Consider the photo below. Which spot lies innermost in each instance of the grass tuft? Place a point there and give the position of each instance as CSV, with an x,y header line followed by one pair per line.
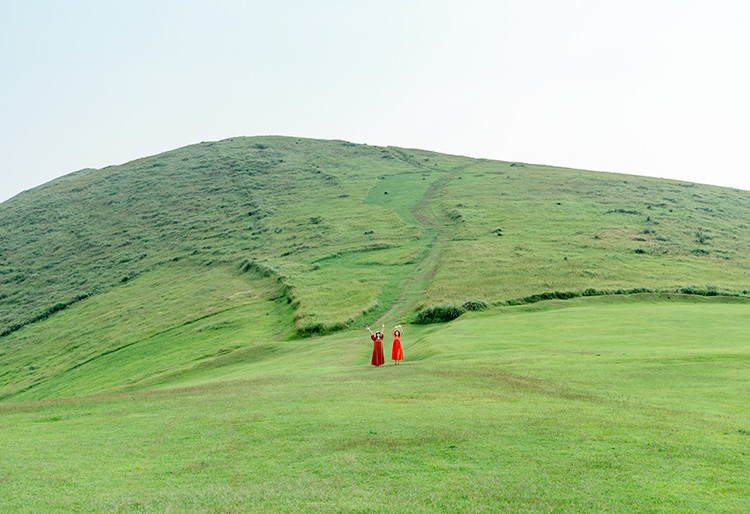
x,y
439,314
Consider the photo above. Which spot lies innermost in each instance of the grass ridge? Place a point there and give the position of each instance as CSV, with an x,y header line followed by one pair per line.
x,y
445,313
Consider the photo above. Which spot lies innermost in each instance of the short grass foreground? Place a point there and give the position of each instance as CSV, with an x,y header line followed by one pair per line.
x,y
628,404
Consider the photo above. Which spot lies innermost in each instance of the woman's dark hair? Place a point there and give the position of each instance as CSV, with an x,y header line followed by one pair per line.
x,y
398,332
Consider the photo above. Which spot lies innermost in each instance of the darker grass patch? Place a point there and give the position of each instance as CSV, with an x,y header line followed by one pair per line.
x,y
443,313
455,215
319,329
474,305
261,268
701,292
622,211
566,295
60,306
439,314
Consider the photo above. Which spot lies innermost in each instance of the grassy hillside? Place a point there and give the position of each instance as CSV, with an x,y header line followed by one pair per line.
x,y
611,404
179,319
183,333
354,231
531,229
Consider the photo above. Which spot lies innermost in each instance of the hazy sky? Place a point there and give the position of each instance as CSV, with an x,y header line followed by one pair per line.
x,y
655,87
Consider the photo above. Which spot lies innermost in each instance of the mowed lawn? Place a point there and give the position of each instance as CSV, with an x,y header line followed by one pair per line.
x,y
626,404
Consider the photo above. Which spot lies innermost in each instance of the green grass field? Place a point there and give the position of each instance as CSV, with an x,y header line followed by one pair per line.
x,y
185,333
619,404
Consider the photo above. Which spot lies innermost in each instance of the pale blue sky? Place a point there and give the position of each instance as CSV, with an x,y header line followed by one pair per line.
x,y
655,87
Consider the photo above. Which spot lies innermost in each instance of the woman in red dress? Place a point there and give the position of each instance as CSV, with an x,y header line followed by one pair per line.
x,y
377,352
397,354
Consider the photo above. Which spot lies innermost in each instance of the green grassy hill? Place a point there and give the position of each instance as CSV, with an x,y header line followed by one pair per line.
x,y
344,233
185,333
352,230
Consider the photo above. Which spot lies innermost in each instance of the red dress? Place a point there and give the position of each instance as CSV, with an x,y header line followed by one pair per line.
x,y
377,352
398,353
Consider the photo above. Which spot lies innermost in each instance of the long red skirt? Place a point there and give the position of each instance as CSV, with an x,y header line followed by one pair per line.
x,y
397,354
377,352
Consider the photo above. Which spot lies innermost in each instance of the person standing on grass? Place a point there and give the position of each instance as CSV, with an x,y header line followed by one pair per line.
x,y
377,352
397,354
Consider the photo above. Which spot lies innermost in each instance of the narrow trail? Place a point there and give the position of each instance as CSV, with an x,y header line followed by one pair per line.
x,y
416,284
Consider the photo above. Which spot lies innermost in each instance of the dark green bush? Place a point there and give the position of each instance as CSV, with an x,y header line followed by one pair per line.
x,y
439,314
702,237
260,268
566,295
454,216
474,305
698,292
622,211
